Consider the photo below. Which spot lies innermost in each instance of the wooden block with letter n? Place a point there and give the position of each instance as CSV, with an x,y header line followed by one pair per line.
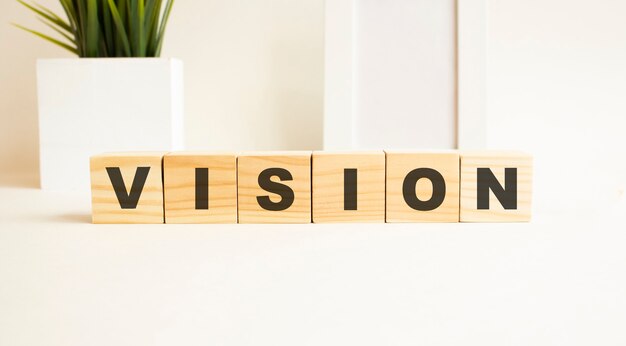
x,y
127,188
274,187
348,187
200,187
422,186
496,186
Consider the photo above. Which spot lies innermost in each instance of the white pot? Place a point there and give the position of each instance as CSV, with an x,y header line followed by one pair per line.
x,y
91,106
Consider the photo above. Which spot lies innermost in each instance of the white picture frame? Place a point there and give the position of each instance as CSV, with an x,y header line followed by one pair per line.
x,y
339,107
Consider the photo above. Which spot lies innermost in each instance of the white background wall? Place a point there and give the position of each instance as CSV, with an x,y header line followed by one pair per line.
x,y
253,75
405,75
556,87
556,82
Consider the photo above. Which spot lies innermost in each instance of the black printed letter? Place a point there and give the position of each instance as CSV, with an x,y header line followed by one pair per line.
x,y
128,200
284,191
349,189
202,188
487,181
439,189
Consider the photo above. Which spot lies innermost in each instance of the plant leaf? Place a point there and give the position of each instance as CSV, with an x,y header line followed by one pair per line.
x,y
50,39
152,13
52,14
68,37
70,12
161,33
92,29
120,27
141,39
133,24
106,28
82,19
54,19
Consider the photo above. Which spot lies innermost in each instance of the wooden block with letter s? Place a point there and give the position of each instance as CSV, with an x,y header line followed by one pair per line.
x,y
127,188
496,186
422,186
200,187
348,186
274,187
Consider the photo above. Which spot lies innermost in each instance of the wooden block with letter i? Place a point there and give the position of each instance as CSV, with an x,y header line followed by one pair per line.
x,y
348,186
496,186
422,186
200,187
274,187
127,188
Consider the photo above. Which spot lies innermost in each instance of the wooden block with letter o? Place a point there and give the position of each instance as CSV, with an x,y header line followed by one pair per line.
x,y
496,186
274,187
200,187
348,187
127,188
422,186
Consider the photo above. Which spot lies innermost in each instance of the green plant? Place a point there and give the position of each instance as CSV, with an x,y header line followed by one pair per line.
x,y
107,28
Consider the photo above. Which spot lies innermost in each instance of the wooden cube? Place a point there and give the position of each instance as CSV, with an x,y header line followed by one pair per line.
x,y
200,187
274,187
422,187
496,186
348,187
127,188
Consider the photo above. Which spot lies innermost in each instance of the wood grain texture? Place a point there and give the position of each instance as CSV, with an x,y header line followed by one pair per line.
x,y
400,164
105,204
328,186
496,162
180,187
249,166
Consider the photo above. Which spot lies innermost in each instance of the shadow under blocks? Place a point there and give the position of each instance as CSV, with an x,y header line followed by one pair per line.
x,y
305,187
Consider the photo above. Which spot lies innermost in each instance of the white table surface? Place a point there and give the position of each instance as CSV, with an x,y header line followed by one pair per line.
x,y
559,280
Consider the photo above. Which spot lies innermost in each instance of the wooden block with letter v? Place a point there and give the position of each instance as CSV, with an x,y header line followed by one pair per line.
x,y
496,186
348,186
127,188
422,186
200,187
274,187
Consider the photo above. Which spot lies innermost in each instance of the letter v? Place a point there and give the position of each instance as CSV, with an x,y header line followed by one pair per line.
x,y
128,200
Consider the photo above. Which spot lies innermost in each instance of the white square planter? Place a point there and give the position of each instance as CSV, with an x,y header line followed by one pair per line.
x,y
90,106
